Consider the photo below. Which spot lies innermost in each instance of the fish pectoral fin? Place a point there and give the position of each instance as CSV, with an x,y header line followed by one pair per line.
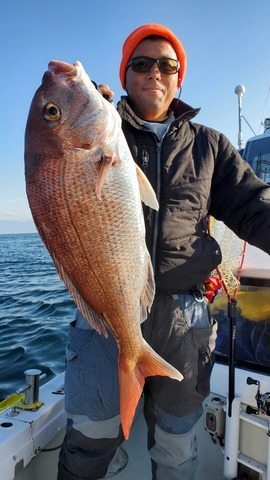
x,y
106,163
104,168
148,195
132,378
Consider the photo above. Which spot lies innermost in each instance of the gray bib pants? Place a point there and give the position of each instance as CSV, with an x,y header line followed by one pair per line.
x,y
181,330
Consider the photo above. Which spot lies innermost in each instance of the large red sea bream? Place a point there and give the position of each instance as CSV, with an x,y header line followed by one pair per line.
x,y
85,192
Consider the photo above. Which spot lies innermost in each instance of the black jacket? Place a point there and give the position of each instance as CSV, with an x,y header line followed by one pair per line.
x,y
195,172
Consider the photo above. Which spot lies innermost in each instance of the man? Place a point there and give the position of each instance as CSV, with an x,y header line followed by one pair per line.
x,y
195,172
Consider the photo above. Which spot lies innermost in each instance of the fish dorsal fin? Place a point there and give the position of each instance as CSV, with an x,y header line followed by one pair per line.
x,y
148,195
148,293
96,321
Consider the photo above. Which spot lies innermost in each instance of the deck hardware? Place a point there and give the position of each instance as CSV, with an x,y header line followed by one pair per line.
x,y
31,387
6,424
215,417
59,391
262,400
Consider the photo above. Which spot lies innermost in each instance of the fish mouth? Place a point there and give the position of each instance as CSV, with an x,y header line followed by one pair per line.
x,y
57,67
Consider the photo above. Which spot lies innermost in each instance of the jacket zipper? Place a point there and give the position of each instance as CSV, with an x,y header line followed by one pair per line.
x,y
145,162
145,159
156,213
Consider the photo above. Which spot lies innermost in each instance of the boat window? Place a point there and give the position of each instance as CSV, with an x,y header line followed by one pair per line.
x,y
257,154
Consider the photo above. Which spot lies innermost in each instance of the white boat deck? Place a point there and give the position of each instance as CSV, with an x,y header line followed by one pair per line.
x,y
25,437
44,465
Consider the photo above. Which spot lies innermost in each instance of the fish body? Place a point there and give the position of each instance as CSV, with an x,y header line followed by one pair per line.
x,y
84,192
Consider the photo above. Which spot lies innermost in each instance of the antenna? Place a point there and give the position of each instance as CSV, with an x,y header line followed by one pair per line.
x,y
239,91
262,120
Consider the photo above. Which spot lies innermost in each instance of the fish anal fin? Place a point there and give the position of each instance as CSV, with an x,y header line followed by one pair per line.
x,y
132,378
96,321
147,193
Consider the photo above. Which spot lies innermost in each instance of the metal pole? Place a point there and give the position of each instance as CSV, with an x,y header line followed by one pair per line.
x,y
240,90
231,387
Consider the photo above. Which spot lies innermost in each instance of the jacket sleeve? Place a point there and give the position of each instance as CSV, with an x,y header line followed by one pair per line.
x,y
239,198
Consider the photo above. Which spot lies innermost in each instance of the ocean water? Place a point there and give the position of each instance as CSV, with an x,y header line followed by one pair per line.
x,y
35,311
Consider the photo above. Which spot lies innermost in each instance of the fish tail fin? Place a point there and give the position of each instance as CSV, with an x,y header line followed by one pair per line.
x,y
132,379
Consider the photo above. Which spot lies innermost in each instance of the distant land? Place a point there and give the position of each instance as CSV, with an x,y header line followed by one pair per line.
x,y
8,226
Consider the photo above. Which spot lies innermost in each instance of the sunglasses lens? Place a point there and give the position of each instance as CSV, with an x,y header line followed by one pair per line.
x,y
142,64
169,66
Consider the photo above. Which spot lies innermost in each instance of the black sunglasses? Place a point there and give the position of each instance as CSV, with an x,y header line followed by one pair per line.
x,y
169,66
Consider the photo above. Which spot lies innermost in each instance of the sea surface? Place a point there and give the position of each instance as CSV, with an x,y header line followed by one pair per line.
x,y
35,311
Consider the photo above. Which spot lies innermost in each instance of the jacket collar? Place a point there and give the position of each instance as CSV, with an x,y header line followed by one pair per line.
x,y
181,111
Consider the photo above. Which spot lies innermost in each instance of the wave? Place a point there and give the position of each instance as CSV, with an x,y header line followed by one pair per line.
x,y
35,311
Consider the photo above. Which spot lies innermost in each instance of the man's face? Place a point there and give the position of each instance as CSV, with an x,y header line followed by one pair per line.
x,y
151,93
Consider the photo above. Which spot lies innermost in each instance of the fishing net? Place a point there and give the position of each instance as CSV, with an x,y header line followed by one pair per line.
x,y
233,249
244,331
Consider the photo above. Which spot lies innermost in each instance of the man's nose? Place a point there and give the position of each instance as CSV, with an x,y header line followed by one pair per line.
x,y
154,71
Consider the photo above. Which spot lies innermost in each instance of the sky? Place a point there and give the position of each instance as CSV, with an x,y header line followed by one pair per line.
x,y
226,42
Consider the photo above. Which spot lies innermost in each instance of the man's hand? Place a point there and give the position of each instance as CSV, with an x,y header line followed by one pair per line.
x,y
107,93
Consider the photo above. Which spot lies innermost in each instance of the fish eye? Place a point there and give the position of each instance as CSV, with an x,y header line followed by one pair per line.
x,y
52,111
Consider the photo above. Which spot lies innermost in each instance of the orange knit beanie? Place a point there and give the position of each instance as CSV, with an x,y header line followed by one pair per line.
x,y
144,31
